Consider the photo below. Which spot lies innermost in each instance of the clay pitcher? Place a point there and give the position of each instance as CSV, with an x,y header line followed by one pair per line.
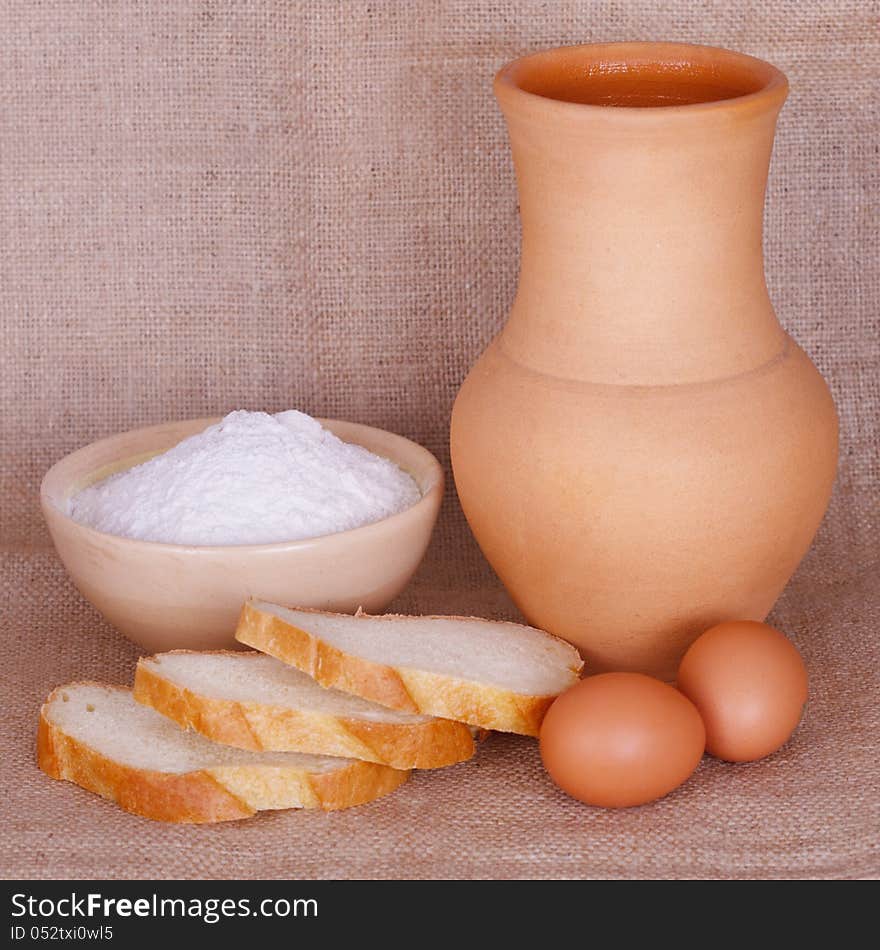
x,y
642,451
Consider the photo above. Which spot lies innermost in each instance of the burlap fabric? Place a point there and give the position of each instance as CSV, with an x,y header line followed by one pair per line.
x,y
272,204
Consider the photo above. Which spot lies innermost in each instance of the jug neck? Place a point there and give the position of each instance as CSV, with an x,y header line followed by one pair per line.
x,y
641,171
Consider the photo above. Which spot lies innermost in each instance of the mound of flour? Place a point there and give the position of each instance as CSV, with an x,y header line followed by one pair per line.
x,y
252,478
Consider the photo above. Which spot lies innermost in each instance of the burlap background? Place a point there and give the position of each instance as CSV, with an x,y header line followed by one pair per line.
x,y
272,204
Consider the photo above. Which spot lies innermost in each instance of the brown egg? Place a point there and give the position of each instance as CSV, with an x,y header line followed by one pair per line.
x,y
621,739
750,685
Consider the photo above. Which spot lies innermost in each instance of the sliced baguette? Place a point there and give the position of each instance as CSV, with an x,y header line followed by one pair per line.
x,y
489,674
98,737
253,701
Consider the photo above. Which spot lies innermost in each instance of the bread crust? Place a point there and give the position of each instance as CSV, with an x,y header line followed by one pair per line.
x,y
208,795
435,694
261,726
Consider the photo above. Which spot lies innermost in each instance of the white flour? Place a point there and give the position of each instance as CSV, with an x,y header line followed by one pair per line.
x,y
250,479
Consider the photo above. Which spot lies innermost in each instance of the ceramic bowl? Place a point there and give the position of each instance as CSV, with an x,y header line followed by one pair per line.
x,y
168,596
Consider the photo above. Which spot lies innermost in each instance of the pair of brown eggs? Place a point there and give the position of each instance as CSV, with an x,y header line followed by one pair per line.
x,y
622,739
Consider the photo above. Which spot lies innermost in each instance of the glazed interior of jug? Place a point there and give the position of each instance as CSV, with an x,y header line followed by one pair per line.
x,y
641,75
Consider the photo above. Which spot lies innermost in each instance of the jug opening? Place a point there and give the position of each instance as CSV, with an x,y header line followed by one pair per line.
x,y
640,75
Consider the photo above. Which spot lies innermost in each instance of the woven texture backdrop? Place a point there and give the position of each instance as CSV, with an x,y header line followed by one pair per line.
x,y
209,205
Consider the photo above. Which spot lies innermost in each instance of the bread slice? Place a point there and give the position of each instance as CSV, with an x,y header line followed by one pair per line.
x,y
253,701
98,737
489,674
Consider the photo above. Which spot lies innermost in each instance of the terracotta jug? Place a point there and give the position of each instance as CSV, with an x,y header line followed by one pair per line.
x,y
642,451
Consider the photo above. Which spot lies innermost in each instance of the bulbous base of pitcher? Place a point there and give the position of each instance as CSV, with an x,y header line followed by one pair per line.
x,y
629,519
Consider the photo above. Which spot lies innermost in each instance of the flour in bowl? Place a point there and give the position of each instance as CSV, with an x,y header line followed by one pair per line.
x,y
252,478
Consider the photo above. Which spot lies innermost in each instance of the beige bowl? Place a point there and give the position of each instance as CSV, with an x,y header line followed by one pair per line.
x,y
165,596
